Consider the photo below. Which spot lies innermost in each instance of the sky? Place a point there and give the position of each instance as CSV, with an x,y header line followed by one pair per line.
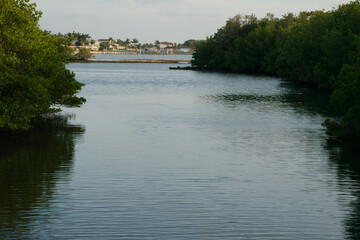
x,y
164,20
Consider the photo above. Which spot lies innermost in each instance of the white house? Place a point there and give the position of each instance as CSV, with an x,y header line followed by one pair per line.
x,y
163,45
106,41
118,46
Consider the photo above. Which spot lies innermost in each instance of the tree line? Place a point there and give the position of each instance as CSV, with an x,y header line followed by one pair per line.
x,y
84,39
33,76
318,47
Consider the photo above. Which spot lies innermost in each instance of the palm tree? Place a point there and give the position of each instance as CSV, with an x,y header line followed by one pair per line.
x,y
127,41
135,41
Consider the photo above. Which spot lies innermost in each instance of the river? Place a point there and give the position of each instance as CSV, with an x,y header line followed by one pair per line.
x,y
160,154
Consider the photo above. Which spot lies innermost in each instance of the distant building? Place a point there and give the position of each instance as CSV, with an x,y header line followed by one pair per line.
x,y
118,46
152,50
92,47
186,49
163,45
106,41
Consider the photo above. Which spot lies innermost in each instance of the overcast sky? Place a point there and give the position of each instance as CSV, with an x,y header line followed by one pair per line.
x,y
164,20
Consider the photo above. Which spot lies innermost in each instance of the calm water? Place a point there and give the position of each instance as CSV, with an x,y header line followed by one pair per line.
x,y
159,154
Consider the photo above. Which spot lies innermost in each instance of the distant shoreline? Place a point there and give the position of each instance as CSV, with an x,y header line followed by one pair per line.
x,y
177,61
121,53
134,53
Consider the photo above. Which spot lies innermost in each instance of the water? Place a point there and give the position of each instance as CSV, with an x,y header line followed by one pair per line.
x,y
160,154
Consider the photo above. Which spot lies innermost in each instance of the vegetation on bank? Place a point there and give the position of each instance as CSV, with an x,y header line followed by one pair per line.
x,y
33,76
321,48
83,54
83,40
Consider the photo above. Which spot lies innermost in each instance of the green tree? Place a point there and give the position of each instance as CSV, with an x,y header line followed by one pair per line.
x,y
103,46
81,39
190,43
204,52
127,42
345,101
84,54
33,76
251,53
135,40
321,48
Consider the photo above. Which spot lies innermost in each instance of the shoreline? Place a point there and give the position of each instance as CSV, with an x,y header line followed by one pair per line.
x,y
175,61
132,53
120,53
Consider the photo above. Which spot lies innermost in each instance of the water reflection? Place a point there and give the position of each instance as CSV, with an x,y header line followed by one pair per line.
x,y
305,99
30,166
301,98
345,155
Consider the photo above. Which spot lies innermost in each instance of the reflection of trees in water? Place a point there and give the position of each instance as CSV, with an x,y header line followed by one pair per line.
x,y
30,165
306,99
302,99
346,156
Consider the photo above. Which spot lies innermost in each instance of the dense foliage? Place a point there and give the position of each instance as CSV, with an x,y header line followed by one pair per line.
x,y
321,48
190,43
33,77
84,54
